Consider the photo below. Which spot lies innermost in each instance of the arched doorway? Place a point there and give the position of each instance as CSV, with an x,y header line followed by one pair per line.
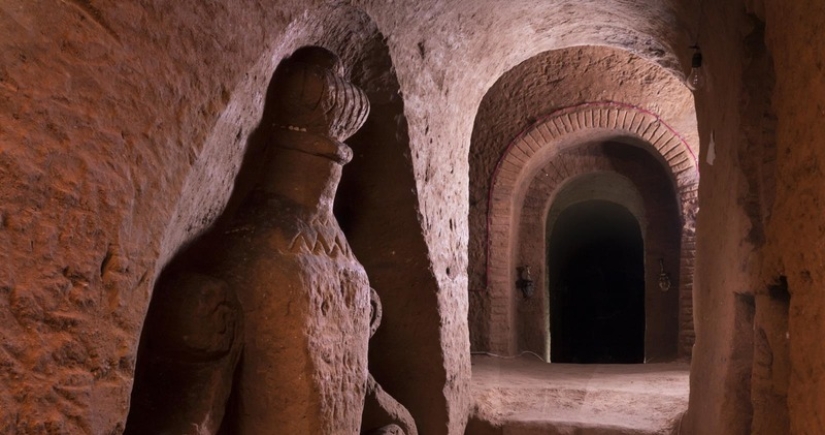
x,y
597,292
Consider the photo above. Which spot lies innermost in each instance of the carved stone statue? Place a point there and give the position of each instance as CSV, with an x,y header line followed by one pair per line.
x,y
283,259
305,297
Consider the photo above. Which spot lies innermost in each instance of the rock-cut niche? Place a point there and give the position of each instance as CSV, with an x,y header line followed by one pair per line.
x,y
264,321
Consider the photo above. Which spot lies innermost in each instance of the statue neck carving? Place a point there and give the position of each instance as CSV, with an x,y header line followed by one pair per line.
x,y
300,176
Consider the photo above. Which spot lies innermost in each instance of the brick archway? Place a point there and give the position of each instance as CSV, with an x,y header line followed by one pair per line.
x,y
538,145
623,174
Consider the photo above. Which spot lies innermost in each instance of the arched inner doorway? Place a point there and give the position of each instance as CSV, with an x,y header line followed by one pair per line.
x,y
597,291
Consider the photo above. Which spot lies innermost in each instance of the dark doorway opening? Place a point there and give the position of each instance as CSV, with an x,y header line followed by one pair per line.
x,y
596,276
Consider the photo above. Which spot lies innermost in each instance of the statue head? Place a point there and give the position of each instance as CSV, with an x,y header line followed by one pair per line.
x,y
309,94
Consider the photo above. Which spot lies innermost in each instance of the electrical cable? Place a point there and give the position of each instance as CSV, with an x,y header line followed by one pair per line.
x,y
495,355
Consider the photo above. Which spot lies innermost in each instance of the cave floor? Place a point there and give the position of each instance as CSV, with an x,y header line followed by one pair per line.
x,y
526,396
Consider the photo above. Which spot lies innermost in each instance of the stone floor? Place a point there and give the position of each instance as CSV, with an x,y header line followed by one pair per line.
x,y
526,396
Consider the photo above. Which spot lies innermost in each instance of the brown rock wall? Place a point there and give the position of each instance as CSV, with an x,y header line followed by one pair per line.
x,y
755,316
794,232
105,110
722,361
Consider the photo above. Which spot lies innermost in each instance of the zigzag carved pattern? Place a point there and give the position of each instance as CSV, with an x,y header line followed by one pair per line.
x,y
306,242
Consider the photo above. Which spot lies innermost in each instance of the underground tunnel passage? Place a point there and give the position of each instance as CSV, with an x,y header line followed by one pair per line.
x,y
125,123
597,293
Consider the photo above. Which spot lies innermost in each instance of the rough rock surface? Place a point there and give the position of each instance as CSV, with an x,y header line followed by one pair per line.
x,y
795,229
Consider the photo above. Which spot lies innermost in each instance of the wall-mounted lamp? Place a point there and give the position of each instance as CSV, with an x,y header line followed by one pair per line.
x,y
525,283
664,277
696,79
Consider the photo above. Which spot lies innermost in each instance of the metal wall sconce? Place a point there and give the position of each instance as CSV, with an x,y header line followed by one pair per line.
x,y
525,283
664,277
